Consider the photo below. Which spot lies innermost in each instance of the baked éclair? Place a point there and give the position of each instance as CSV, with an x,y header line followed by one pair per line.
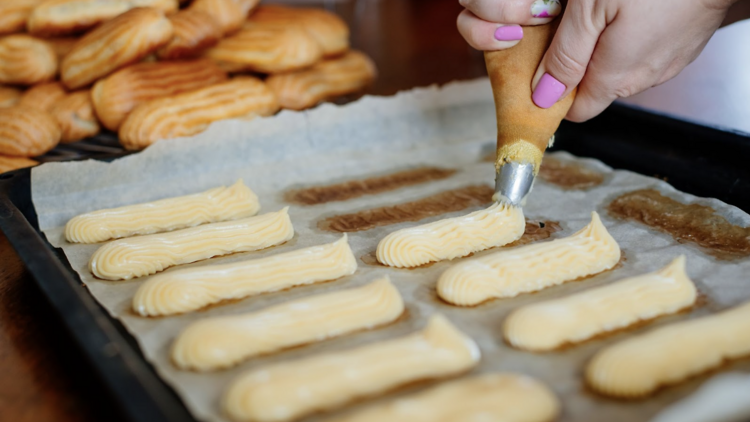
x,y
194,31
9,96
117,95
8,163
14,13
75,115
25,60
43,96
63,17
266,48
228,14
347,74
119,42
191,112
27,132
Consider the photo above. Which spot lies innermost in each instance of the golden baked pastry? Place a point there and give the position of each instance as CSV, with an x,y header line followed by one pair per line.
x,y
228,14
194,31
530,268
14,13
8,163
43,96
9,96
547,325
637,366
117,95
327,29
191,112
193,288
63,17
25,60
138,256
214,205
62,45
266,48
27,132
330,78
491,397
119,42
75,115
216,343
292,389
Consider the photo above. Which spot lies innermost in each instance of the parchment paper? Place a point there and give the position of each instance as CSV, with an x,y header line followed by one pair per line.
x,y
451,127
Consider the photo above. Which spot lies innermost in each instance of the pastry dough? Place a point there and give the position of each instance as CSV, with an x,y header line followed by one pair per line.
x,y
453,237
27,132
191,112
228,14
14,13
117,95
26,60
75,115
125,39
9,96
548,325
347,74
290,390
637,366
221,342
193,288
211,206
194,31
61,17
13,163
490,397
266,48
143,255
43,96
530,268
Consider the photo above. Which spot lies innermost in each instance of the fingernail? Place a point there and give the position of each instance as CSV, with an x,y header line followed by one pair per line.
x,y
547,91
545,8
509,33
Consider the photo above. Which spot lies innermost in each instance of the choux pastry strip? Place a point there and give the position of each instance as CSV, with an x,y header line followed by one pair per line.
x,y
43,96
194,31
75,115
9,96
27,132
25,60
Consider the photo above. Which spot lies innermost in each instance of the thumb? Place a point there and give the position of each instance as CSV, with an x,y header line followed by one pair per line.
x,y
565,62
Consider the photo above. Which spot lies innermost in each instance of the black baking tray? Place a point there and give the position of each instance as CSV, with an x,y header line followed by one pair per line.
x,y
705,161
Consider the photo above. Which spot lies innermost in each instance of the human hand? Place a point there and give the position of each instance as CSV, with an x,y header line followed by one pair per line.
x,y
608,48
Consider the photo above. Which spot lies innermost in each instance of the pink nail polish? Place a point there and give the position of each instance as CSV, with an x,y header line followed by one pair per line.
x,y
547,91
509,33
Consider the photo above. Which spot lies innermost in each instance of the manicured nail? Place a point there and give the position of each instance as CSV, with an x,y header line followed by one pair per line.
x,y
545,8
547,91
509,33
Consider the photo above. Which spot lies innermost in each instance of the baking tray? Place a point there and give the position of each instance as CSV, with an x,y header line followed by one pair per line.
x,y
697,159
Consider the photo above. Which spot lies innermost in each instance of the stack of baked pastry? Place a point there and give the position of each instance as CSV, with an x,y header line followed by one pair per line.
x,y
160,69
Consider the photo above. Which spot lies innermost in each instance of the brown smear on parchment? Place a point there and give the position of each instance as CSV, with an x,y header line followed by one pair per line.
x,y
569,175
370,186
685,222
441,203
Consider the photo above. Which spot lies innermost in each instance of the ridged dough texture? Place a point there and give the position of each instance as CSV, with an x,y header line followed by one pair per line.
x,y
193,288
302,89
75,115
194,31
639,365
143,255
117,95
27,132
289,390
191,112
228,14
548,325
266,48
64,17
119,42
9,96
502,397
214,205
14,163
43,96
26,60
452,237
530,268
327,29
14,13
222,342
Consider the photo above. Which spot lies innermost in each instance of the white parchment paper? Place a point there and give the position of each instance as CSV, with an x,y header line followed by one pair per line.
x,y
450,127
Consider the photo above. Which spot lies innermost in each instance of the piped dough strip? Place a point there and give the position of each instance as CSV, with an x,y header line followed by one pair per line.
x,y
530,268
221,342
639,365
143,255
214,205
548,325
289,390
193,288
451,238
490,397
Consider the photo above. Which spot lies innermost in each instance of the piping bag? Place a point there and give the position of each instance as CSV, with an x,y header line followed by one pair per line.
x,y
524,130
